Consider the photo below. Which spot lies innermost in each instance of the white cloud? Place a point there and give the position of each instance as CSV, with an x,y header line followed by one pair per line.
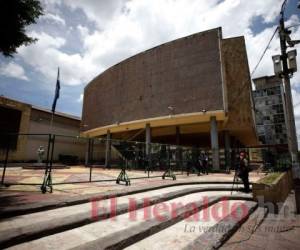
x,y
53,18
83,31
46,55
99,11
13,70
80,99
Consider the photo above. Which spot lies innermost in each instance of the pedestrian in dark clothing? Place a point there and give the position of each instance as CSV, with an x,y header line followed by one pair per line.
x,y
244,171
195,161
204,162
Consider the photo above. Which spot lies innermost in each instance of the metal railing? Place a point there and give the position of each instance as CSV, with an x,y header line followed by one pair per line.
x,y
151,160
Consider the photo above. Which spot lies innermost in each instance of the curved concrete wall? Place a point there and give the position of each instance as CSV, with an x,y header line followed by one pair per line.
x,y
184,74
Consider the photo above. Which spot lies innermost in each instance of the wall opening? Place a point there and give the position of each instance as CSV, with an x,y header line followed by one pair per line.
x,y
9,123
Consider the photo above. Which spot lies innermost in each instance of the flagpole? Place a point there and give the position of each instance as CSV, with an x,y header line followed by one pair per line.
x,y
51,141
54,102
51,122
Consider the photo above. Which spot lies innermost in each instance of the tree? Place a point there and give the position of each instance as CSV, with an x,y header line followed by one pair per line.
x,y
15,15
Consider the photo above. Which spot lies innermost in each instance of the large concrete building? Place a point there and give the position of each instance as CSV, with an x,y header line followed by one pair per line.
x,y
269,110
194,90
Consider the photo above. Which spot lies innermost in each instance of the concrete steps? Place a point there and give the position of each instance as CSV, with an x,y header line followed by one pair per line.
x,y
75,227
203,234
15,210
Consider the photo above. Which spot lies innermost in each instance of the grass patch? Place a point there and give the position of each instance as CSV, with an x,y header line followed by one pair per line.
x,y
270,178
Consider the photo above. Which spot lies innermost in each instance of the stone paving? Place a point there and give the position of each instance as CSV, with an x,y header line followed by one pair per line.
x,y
25,194
280,231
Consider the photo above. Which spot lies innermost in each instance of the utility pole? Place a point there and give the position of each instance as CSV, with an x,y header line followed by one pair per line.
x,y
290,119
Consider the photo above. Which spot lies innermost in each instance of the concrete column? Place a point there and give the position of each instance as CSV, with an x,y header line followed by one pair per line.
x,y
214,143
108,149
148,138
227,149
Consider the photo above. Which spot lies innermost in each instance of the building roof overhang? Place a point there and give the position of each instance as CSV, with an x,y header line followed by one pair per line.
x,y
163,121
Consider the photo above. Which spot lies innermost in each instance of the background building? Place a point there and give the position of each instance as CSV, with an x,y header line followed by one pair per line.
x,y
269,110
194,91
28,121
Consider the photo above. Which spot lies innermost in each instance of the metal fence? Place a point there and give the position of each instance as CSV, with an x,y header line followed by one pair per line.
x,y
47,152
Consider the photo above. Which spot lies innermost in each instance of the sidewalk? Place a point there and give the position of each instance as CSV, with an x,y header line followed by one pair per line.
x,y
280,231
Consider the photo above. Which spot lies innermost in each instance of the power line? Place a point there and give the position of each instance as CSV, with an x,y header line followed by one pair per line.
x,y
294,25
283,6
263,54
244,85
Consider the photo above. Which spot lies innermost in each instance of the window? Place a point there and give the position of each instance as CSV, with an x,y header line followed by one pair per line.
x,y
278,108
278,128
262,139
278,118
259,121
273,91
270,92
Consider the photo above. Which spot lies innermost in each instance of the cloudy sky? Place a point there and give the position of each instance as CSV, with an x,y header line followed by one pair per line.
x,y
85,37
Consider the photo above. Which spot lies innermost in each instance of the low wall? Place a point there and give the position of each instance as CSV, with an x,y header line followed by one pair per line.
x,y
275,192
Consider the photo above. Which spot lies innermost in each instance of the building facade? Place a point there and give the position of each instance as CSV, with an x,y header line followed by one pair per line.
x,y
31,125
194,91
269,110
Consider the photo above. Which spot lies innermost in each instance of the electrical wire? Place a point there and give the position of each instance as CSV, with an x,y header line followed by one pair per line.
x,y
264,52
294,25
282,9
244,84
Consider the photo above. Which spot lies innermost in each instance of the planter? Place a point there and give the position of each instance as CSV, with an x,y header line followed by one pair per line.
x,y
273,193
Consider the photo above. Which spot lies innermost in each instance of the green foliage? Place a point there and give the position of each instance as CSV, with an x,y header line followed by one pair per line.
x,y
282,164
15,16
277,163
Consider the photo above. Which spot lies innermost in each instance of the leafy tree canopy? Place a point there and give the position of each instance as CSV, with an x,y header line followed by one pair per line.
x,y
15,15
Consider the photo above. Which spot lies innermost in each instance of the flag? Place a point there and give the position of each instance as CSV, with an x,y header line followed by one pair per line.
x,y
57,89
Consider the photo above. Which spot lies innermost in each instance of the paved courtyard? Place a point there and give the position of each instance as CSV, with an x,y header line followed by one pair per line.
x,y
25,194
